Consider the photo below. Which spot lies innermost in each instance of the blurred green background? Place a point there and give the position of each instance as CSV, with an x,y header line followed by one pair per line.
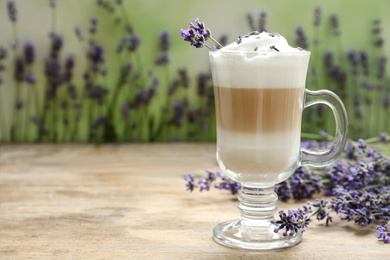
x,y
150,17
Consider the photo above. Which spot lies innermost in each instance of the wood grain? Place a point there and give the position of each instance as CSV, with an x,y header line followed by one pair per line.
x,y
129,202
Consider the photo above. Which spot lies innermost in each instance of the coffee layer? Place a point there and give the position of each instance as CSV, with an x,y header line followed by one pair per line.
x,y
259,110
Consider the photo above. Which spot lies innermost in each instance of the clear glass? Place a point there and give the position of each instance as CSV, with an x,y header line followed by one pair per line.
x,y
259,99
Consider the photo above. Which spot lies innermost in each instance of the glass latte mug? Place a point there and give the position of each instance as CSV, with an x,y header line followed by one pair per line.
x,y
259,99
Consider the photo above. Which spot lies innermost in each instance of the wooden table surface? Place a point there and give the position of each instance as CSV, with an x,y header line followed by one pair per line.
x,y
130,202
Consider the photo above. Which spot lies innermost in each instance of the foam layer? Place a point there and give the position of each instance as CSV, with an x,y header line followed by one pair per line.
x,y
252,63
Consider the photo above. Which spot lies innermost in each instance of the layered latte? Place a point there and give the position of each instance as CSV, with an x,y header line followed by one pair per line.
x,y
259,86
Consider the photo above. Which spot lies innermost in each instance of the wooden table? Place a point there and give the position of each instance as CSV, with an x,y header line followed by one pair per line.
x,y
130,202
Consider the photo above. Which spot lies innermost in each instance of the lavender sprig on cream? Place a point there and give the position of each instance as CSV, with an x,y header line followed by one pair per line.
x,y
198,34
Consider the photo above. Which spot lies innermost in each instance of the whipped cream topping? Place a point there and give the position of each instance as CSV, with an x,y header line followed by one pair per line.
x,y
261,60
265,41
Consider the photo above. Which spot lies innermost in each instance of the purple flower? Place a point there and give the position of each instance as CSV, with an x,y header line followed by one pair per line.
x,y
251,21
383,232
162,59
301,38
19,70
12,10
334,21
317,15
3,53
164,40
134,43
263,21
189,178
29,53
30,78
291,223
197,34
93,27
56,45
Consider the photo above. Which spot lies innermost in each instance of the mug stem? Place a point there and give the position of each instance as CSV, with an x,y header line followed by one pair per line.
x,y
254,230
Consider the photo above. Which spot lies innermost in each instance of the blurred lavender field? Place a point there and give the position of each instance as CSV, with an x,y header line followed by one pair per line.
x,y
117,71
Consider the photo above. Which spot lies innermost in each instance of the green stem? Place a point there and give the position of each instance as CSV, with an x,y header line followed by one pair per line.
x,y
216,42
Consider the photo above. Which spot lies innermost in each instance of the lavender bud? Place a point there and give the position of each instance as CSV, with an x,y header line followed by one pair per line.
x,y
365,62
56,46
93,27
3,53
202,81
165,40
12,10
162,59
379,42
382,67
251,22
184,79
134,43
317,15
52,3
300,37
29,53
263,22
30,78
19,70
334,21
69,63
178,113
19,104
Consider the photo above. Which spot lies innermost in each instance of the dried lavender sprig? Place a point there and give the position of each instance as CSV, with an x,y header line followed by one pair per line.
x,y
197,34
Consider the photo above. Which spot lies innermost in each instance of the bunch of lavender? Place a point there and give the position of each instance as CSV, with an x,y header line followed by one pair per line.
x,y
359,184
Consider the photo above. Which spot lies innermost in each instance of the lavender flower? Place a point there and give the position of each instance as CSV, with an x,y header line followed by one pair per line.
x,y
177,113
3,53
381,67
300,38
165,42
56,45
383,232
251,22
334,21
263,22
134,43
29,53
162,59
317,15
93,27
291,223
12,10
30,78
19,70
197,34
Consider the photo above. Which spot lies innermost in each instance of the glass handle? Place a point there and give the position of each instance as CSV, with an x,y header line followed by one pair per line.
x,y
326,157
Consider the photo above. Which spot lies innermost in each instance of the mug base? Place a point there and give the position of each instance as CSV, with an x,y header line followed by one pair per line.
x,y
235,234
